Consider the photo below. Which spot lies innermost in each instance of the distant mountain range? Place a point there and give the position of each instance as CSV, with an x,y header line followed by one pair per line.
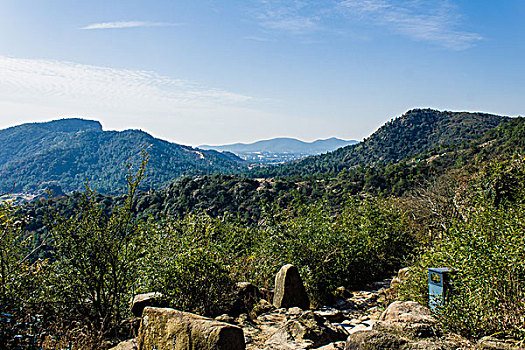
x,y
70,152
280,150
66,154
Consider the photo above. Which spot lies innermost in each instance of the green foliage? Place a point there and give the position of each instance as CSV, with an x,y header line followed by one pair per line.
x,y
20,282
486,248
189,261
416,131
364,242
95,261
67,152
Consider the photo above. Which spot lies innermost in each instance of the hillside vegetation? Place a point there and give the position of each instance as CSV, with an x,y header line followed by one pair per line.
x,y
414,132
70,152
82,256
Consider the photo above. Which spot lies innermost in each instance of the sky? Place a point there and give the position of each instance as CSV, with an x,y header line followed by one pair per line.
x,y
216,72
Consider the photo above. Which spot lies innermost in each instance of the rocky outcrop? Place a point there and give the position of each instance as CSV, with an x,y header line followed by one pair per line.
x,y
308,329
289,289
371,339
164,328
130,344
245,298
406,311
140,301
493,343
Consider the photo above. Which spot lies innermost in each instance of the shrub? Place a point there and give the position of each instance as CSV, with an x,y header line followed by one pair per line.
x,y
486,248
366,241
95,264
188,261
20,282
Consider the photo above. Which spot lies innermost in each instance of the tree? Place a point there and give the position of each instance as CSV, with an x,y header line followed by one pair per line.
x,y
96,258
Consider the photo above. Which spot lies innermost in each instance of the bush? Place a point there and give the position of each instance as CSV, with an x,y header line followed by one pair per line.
x,y
94,266
188,261
486,248
20,282
366,241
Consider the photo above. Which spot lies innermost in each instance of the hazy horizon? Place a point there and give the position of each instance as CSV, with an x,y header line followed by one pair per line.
x,y
218,73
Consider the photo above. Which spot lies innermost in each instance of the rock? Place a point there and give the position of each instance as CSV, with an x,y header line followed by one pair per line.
x,y
261,308
395,282
430,345
332,315
371,340
225,318
310,329
294,311
374,312
245,298
164,329
393,291
342,293
243,320
289,289
498,344
130,344
408,318
339,345
360,327
403,273
408,312
344,304
140,301
413,330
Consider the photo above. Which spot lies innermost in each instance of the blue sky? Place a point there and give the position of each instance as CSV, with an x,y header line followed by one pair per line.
x,y
214,72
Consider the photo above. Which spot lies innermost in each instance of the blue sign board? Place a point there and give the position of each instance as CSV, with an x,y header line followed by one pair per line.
x,y
438,283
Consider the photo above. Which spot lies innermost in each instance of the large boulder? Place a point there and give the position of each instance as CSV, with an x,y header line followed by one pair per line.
x,y
140,301
245,298
372,340
309,329
130,344
164,329
289,289
408,312
408,318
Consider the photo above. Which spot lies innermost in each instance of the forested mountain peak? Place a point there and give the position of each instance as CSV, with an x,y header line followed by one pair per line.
x,y
68,152
412,133
61,125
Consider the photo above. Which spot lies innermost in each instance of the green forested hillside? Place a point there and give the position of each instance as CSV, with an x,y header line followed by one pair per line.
x,y
416,131
246,198
70,152
458,205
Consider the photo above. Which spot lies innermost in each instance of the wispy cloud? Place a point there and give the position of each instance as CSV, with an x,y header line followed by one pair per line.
x,y
257,38
175,109
295,17
127,24
436,21
78,81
